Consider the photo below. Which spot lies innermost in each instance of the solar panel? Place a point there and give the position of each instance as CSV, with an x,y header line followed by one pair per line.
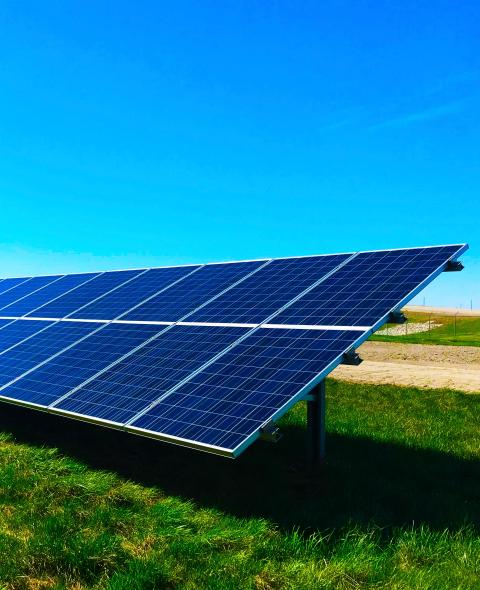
x,y
228,401
40,346
204,355
13,332
71,368
193,291
366,288
25,288
134,292
85,294
128,387
269,289
8,284
29,303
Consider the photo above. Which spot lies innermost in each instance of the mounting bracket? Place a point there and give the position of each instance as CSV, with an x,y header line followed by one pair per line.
x,y
351,357
396,317
270,432
453,266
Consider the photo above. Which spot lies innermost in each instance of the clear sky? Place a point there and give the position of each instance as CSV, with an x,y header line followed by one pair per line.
x,y
149,133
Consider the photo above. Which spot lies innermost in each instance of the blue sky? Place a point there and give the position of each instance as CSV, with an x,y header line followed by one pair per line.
x,y
156,133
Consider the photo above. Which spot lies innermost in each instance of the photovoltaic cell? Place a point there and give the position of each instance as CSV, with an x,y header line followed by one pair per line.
x,y
69,369
70,302
4,323
53,290
11,333
366,288
7,284
119,393
193,291
230,400
267,290
28,354
24,288
145,285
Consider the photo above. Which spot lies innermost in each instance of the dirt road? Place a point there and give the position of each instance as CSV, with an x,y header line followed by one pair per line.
x,y
417,365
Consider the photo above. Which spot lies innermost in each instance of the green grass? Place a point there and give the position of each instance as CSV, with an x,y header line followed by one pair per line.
x,y
397,504
464,331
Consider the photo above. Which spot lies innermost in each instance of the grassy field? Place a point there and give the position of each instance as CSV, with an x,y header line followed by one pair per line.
x,y
396,506
462,331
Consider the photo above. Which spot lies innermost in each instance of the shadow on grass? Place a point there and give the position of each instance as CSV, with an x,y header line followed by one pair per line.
x,y
363,481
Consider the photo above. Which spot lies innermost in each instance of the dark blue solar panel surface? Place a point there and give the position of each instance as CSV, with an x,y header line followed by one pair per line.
x,y
366,288
7,284
69,369
266,291
231,399
121,392
128,296
12,332
53,290
25,289
85,294
4,323
27,354
174,303
227,401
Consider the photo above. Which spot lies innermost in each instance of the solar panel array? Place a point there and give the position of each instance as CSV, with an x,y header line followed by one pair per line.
x,y
201,355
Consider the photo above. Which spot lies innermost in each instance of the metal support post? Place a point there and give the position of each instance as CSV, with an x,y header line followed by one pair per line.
x,y
316,425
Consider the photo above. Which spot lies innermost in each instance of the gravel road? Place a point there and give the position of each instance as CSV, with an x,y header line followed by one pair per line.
x,y
418,365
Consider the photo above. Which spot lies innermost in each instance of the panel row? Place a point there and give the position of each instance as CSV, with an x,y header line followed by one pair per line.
x,y
335,290
368,287
164,380
251,289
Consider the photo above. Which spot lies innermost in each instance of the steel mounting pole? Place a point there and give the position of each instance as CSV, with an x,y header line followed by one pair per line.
x,y
316,426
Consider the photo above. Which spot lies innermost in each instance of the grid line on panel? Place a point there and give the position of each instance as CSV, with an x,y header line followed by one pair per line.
x,y
129,386
30,293
420,286
140,273
7,322
47,290
195,292
246,386
43,362
108,367
269,290
68,304
30,370
97,375
35,352
369,289
60,374
137,279
48,326
29,287
270,317
16,283
77,342
48,323
232,286
13,332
